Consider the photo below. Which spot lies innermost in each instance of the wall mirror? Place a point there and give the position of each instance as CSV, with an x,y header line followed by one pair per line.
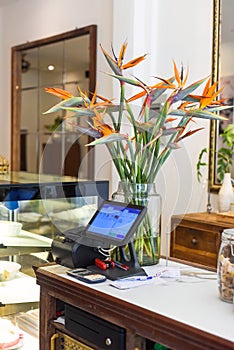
x,y
46,144
222,70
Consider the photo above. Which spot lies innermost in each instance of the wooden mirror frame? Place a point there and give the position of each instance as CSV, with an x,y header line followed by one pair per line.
x,y
16,71
213,185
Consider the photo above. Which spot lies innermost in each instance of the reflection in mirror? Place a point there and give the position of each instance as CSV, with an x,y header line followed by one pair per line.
x,y
222,70
48,144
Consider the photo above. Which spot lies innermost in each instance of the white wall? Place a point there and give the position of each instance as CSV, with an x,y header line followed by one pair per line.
x,y
166,29
29,20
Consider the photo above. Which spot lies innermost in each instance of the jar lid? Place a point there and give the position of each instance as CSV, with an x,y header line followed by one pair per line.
x,y
228,234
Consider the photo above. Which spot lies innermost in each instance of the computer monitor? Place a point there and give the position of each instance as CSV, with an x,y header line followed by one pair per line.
x,y
114,223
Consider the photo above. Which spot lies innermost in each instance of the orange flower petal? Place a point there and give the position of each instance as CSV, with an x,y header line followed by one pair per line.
x,y
206,89
59,93
122,53
176,72
133,62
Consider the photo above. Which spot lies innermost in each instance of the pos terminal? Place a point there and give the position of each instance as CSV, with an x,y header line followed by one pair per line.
x,y
111,227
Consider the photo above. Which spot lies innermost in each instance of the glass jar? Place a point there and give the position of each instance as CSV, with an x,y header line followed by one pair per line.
x,y
147,238
225,266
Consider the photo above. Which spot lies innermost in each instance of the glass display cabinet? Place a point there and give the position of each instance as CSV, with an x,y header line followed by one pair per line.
x,y
46,206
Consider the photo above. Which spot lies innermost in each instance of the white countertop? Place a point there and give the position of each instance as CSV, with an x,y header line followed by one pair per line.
x,y
190,300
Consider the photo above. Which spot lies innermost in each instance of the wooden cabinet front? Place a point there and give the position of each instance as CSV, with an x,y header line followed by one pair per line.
x,y
196,237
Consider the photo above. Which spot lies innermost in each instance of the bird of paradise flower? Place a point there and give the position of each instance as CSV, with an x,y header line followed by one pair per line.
x,y
155,134
139,157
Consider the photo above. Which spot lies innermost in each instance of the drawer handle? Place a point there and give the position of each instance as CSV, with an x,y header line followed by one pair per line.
x,y
108,342
194,241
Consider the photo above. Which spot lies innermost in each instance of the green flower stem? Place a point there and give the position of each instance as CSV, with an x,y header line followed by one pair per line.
x,y
124,156
120,115
132,118
166,152
132,160
147,109
121,105
153,152
127,165
160,119
144,240
161,160
151,247
116,161
113,120
152,163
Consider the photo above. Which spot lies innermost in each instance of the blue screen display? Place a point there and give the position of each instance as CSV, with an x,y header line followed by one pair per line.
x,y
114,221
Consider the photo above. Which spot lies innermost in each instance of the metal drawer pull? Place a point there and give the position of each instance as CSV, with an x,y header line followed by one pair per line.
x,y
194,241
108,342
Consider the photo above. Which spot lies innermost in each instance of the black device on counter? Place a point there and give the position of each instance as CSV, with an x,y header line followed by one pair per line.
x,y
65,251
86,276
113,224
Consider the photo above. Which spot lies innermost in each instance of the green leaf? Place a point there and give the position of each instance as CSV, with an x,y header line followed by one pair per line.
x,y
201,163
108,139
198,113
180,96
73,101
113,65
110,109
90,131
171,131
79,112
217,108
157,92
126,80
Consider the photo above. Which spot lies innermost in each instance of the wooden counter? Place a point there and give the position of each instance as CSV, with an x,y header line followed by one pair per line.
x,y
181,315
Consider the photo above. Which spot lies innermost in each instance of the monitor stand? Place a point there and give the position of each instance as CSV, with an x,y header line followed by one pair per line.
x,y
115,273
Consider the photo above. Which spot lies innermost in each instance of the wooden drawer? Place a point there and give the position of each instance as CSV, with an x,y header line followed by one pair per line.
x,y
196,237
194,245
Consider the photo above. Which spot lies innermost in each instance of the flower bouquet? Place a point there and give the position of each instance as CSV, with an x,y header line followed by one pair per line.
x,y
156,129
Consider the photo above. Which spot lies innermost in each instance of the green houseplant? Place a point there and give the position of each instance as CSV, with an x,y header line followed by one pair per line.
x,y
139,155
224,154
52,127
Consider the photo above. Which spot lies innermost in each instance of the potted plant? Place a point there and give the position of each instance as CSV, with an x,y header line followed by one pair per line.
x,y
224,166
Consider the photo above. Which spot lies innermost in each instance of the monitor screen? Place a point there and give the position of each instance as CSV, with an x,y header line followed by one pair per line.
x,y
115,222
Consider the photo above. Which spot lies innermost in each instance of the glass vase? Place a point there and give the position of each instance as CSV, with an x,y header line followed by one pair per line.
x,y
147,238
